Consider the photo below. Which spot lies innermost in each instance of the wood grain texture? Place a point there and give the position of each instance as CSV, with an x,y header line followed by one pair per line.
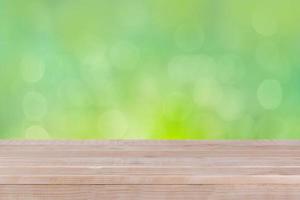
x,y
149,169
149,192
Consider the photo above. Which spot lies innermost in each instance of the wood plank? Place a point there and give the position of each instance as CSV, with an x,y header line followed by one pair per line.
x,y
150,180
149,169
149,192
153,175
171,153
147,153
151,145
149,162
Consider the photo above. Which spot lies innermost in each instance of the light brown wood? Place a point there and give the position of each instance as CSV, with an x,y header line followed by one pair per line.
x,y
149,192
149,169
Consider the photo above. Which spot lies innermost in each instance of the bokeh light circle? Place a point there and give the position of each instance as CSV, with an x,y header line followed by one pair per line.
x,y
269,94
34,106
36,132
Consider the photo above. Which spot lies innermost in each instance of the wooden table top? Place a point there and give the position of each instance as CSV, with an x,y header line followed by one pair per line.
x,y
149,162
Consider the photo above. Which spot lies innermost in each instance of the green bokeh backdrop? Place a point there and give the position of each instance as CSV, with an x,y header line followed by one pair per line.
x,y
149,69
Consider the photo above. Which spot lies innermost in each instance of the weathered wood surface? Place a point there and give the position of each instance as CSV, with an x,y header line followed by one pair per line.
x,y
149,170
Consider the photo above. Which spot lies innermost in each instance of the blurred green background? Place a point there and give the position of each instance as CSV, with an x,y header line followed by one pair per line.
x,y
149,69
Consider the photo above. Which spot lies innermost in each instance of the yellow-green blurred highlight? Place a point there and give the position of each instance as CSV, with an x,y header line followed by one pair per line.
x,y
149,69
